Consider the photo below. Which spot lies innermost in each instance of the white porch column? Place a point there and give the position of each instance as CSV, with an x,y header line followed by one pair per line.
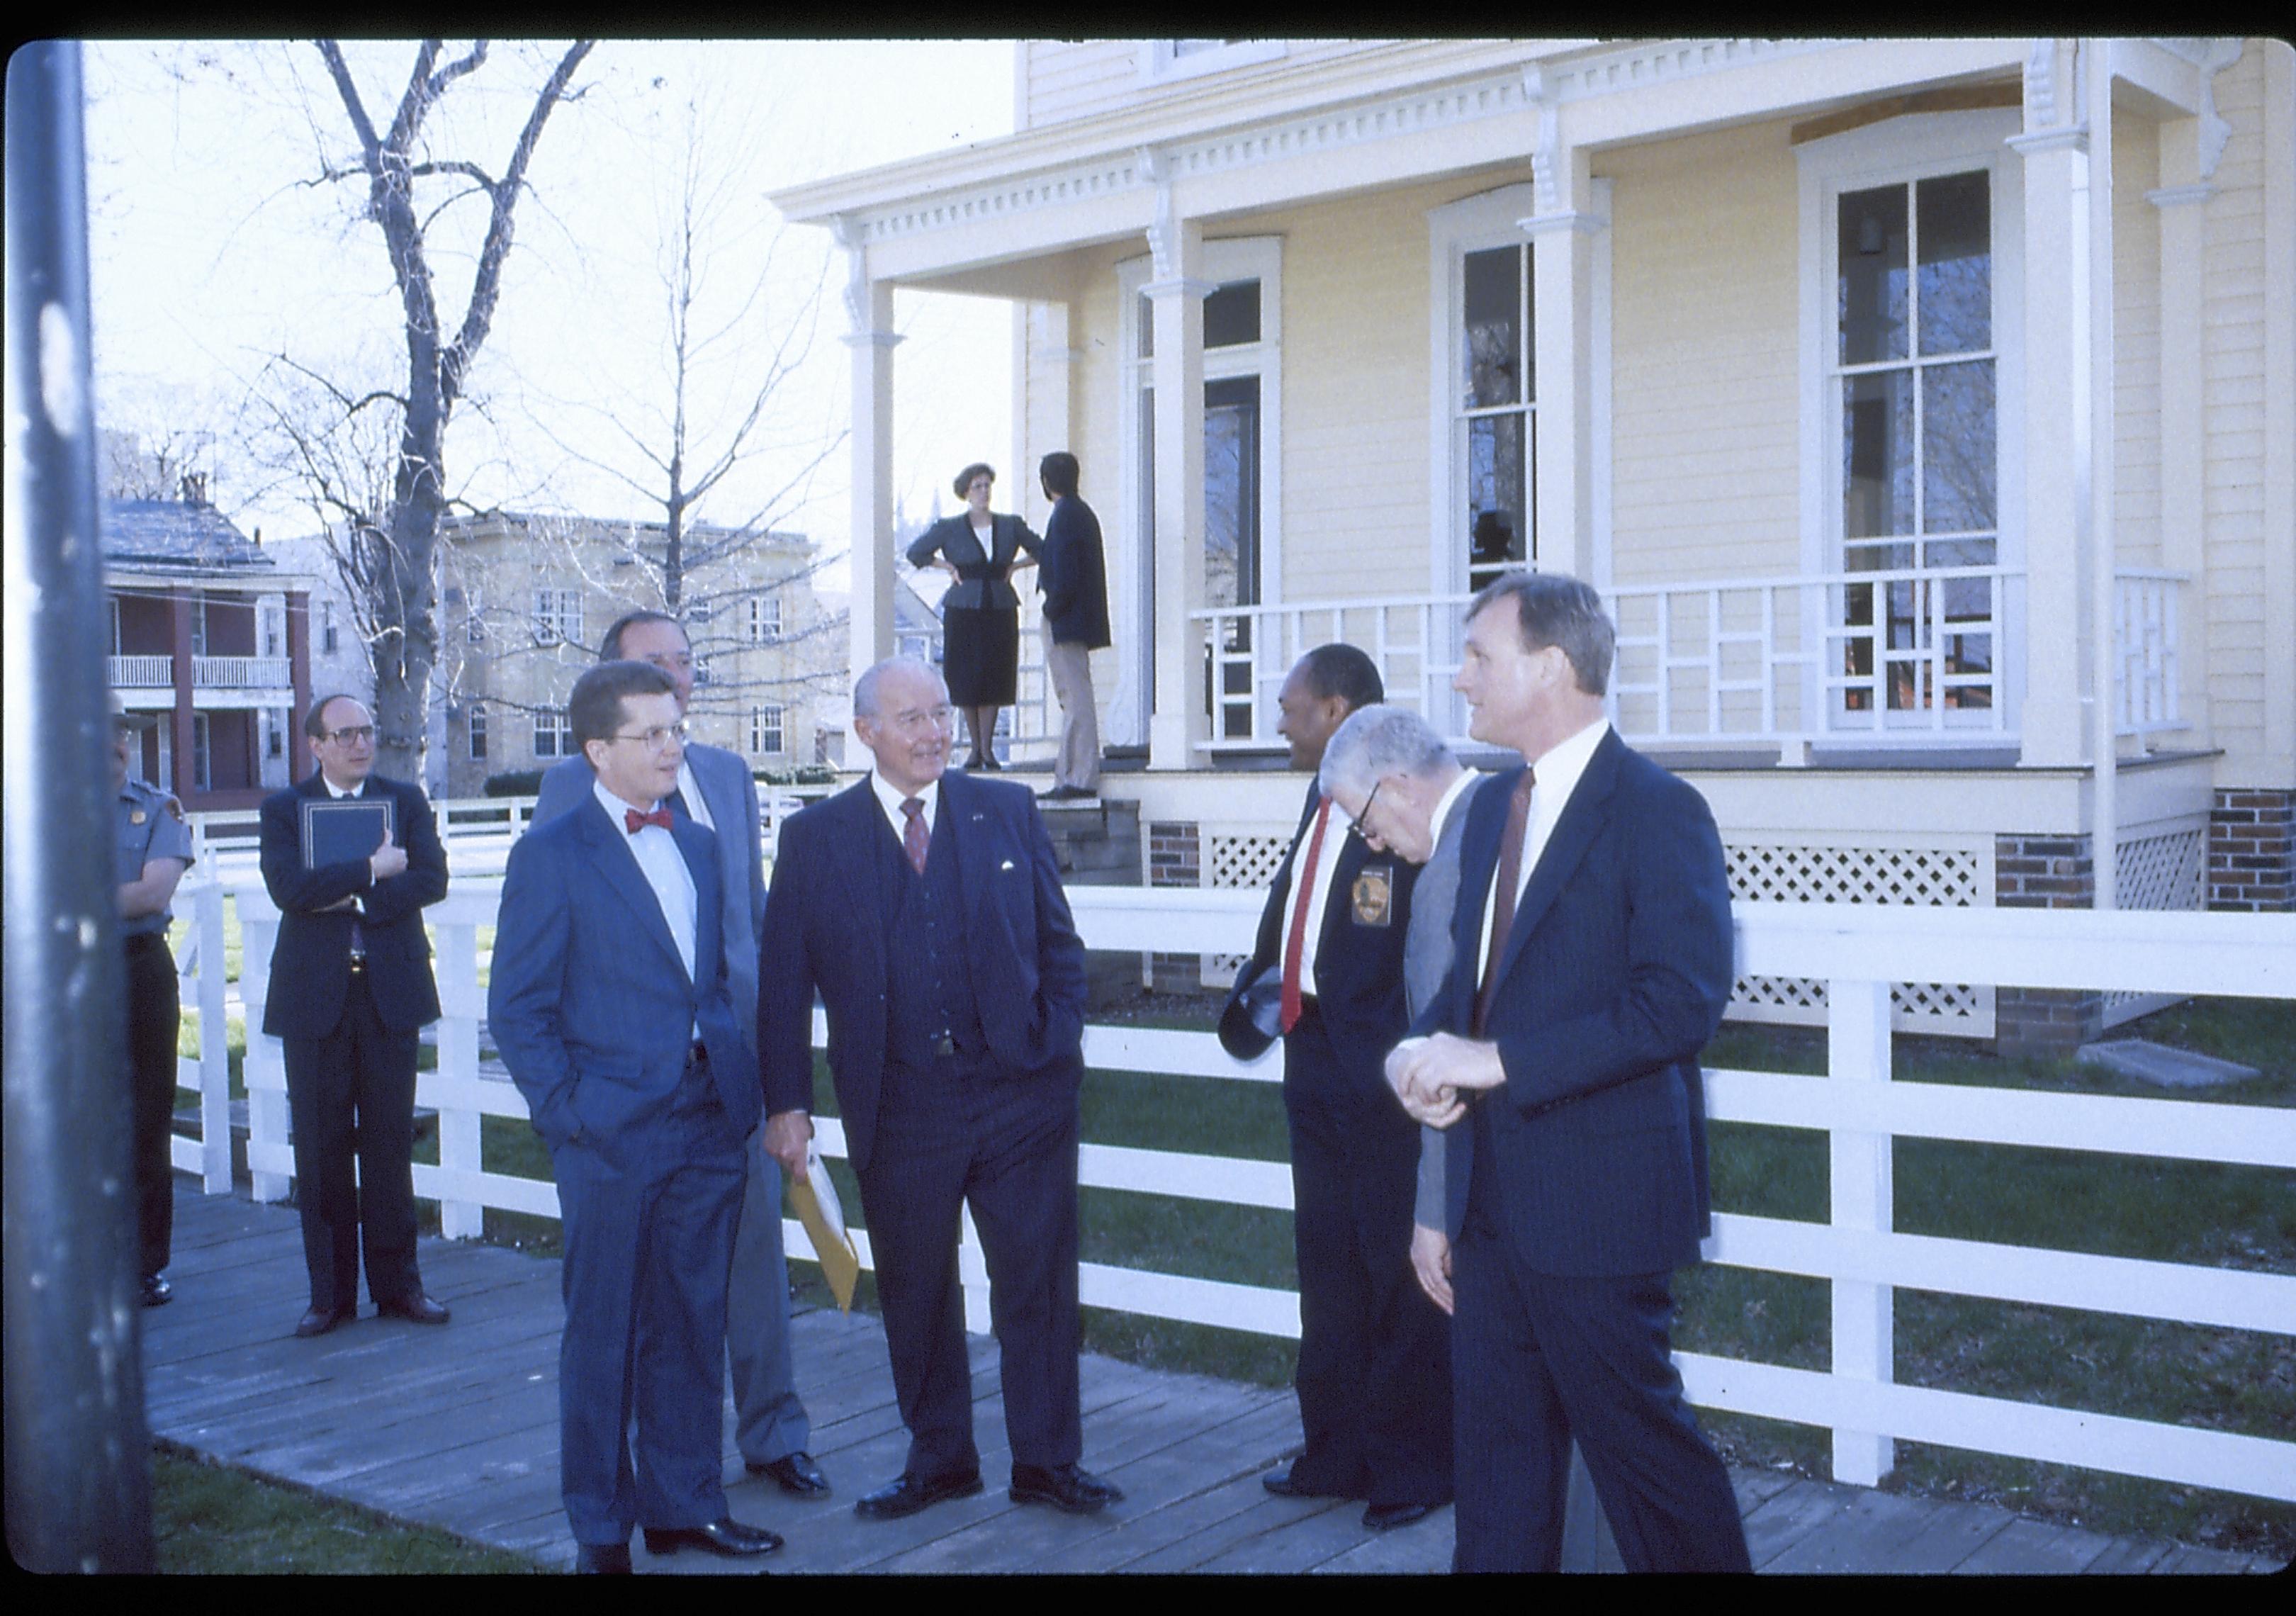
x,y
1176,719
2181,200
869,306
2055,148
1562,276
2104,709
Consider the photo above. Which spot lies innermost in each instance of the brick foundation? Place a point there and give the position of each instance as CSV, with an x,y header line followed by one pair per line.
x,y
2034,872
2252,850
1175,859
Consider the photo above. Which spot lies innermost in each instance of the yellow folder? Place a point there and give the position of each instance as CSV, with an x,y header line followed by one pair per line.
x,y
818,1208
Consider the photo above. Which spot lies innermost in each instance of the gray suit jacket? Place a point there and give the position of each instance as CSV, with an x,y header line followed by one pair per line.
x,y
1426,958
731,797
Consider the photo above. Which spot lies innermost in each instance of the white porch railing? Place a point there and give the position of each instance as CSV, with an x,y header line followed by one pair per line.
x,y
243,673
1887,659
140,672
2145,666
1857,949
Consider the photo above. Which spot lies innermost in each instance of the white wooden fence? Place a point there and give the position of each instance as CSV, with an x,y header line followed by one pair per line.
x,y
1858,950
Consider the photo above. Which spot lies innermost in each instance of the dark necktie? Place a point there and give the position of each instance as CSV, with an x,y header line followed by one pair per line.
x,y
914,842
1510,877
634,822
1295,943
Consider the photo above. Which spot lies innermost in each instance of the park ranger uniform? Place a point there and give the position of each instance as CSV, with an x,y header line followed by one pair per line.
x,y
148,824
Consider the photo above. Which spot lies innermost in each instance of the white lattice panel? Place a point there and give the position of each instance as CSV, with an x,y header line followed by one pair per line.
x,y
1955,872
1238,858
2164,872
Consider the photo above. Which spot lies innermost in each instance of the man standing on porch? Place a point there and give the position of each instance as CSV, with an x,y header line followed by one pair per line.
x,y
1591,962
1374,1377
1074,578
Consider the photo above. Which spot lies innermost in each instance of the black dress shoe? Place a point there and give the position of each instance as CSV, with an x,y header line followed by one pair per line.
x,y
911,1494
1285,1484
728,1536
795,1474
157,1291
416,1309
1070,1490
601,1559
318,1321
1387,1517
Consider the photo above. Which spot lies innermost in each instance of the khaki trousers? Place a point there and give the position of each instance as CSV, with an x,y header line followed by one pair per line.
x,y
1069,664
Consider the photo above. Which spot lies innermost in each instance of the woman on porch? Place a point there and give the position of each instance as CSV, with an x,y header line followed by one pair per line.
x,y
981,614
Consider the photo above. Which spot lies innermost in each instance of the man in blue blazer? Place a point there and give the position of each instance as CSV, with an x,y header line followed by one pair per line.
x,y
714,790
609,1003
1373,1374
350,991
1591,962
927,908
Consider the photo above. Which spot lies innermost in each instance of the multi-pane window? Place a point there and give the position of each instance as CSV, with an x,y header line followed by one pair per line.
x,y
202,753
765,731
1494,396
554,733
478,731
1915,377
765,619
557,615
329,635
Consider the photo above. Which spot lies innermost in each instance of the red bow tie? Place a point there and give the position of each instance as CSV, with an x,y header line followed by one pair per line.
x,y
635,822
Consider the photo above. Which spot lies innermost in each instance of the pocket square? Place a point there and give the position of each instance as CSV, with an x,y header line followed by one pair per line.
x,y
1005,865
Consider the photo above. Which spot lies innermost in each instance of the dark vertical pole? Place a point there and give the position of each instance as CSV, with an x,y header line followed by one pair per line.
x,y
78,1459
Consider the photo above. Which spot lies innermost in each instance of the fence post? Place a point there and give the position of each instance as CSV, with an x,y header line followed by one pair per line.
x,y
457,1071
263,1073
214,1042
972,1269
1858,1052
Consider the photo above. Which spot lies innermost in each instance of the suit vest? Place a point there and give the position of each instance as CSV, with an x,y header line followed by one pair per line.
x,y
929,989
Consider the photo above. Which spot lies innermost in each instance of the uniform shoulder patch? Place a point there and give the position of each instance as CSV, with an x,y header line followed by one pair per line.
x,y
176,808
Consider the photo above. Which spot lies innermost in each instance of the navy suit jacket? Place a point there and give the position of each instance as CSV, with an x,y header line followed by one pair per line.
x,y
1617,971
589,1001
311,964
826,928
1359,960
731,796
1073,574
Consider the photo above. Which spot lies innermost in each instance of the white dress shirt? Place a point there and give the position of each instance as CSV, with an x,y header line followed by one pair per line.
x,y
1555,777
890,799
689,788
1317,897
664,869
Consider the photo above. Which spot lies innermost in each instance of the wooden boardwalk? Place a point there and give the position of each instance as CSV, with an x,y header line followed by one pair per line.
x,y
458,1428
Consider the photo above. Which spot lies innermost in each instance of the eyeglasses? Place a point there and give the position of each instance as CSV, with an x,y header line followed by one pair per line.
x,y
659,737
1363,819
356,735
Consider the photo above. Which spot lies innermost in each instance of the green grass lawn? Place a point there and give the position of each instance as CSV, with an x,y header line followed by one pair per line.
x,y
210,1519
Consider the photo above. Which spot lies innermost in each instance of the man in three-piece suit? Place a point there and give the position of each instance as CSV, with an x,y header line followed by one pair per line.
x,y
926,907
1592,962
610,1005
716,791
350,991
1073,575
1373,1374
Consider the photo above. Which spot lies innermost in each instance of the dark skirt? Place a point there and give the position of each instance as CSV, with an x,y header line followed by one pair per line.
x,y
980,655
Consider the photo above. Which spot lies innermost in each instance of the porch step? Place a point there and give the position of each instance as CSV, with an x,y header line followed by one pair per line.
x,y
2161,1066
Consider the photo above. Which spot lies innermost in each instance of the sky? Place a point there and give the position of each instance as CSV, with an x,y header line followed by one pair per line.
x,y
216,249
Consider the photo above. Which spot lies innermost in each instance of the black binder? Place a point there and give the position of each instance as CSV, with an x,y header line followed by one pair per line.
x,y
344,831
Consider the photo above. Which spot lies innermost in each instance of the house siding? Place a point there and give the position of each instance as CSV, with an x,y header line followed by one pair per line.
x,y
1705,391
2136,341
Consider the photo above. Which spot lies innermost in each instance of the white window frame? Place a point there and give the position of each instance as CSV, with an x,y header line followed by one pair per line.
x,y
777,715
558,616
765,619
475,743
330,635
557,723
1902,151
1161,62
1473,224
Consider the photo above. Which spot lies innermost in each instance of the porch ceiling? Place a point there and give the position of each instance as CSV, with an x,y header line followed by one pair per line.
x,y
998,217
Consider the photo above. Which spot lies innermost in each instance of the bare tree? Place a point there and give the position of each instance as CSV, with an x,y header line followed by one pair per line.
x,y
391,543
702,425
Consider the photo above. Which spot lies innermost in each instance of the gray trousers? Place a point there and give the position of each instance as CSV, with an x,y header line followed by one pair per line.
x,y
1069,664
769,1420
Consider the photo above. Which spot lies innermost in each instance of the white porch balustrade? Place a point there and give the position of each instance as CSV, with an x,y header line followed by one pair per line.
x,y
1879,658
140,672
243,673
1857,950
